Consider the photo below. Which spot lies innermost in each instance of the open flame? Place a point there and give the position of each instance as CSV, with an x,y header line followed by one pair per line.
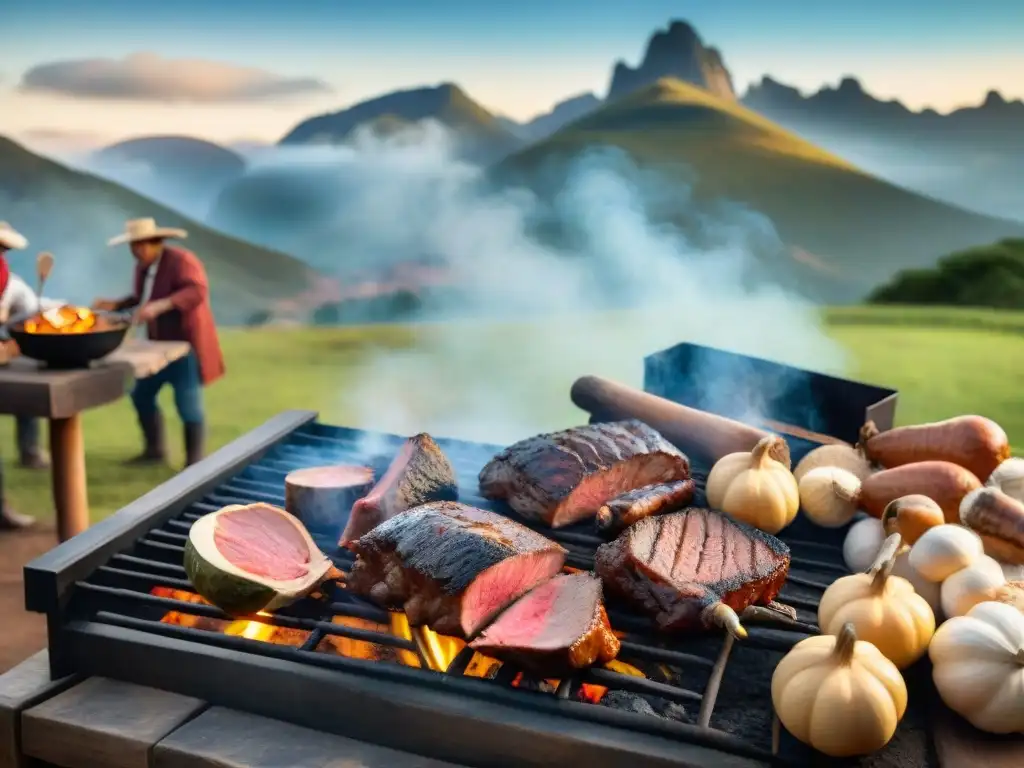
x,y
439,651
64,319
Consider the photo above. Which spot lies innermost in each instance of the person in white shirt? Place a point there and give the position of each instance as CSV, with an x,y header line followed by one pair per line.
x,y
16,301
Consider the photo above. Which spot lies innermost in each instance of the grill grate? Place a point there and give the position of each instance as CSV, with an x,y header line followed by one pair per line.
x,y
121,594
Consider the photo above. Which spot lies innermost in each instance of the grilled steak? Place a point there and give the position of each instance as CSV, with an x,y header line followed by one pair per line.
x,y
555,628
447,565
420,473
566,476
632,506
688,569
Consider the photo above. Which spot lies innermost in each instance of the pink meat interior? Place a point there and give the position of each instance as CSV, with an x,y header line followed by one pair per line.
x,y
340,476
394,471
550,617
260,541
502,583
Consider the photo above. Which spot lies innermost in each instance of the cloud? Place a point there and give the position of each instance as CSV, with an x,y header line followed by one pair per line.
x,y
150,77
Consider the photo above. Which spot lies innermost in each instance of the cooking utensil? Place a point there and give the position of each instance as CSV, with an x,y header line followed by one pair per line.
x,y
44,265
68,350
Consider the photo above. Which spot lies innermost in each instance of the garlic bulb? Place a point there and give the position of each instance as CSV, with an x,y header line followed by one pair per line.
x,y
862,544
929,590
828,496
839,456
972,585
1009,478
945,549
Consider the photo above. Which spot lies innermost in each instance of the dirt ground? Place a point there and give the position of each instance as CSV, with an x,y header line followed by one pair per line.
x,y
23,633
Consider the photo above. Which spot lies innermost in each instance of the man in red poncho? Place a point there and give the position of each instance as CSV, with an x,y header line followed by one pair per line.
x,y
171,298
9,240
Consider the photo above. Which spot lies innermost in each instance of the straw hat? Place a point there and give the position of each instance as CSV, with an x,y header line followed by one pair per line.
x,y
146,229
11,239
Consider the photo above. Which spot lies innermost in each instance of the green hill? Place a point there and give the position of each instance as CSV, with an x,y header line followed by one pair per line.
x,y
73,214
986,276
482,134
846,231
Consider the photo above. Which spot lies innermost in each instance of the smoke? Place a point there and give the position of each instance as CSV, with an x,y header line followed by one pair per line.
x,y
585,280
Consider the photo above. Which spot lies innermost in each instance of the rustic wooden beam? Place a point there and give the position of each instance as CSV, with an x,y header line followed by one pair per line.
x,y
101,723
225,738
23,687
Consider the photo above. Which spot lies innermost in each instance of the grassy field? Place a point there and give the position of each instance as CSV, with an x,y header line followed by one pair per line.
x,y
478,381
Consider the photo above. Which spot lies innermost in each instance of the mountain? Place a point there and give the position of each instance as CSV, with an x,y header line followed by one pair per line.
x,y
563,113
844,231
677,52
482,136
973,156
179,171
73,214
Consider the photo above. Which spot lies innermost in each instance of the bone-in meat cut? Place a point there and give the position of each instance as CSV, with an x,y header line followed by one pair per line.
x,y
563,477
632,506
554,628
688,570
450,566
420,473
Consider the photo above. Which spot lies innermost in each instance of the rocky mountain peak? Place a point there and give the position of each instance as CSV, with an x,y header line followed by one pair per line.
x,y
678,52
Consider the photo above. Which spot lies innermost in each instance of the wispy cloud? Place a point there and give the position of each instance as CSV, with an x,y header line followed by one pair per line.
x,y
151,77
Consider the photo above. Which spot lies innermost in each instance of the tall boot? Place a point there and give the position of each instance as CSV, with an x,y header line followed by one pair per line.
x,y
195,442
31,454
155,444
9,519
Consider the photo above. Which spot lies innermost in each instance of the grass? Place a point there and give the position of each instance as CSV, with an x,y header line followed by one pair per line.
x,y
403,378
852,230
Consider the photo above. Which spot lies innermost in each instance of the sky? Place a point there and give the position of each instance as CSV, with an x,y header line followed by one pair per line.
x,y
87,72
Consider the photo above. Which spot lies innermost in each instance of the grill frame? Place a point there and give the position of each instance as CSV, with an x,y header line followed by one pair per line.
x,y
491,721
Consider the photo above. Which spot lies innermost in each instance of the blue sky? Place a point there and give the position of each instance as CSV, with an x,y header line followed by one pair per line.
x,y
515,58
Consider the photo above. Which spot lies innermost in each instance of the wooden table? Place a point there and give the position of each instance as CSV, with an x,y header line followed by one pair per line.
x,y
26,389
101,723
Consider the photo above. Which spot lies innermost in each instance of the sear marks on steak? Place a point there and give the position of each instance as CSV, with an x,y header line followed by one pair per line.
x,y
447,564
563,477
555,628
419,474
692,568
624,510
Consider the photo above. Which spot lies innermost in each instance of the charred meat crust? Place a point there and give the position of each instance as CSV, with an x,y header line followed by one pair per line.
x,y
565,476
572,630
423,561
630,507
664,570
419,473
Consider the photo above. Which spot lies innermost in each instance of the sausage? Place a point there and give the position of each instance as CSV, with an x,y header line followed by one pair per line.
x,y
943,482
697,433
973,442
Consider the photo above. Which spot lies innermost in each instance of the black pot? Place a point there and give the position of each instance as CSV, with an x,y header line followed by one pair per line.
x,y
68,350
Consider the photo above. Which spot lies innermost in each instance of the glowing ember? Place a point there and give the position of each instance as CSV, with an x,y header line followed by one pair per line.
x,y
438,650
65,319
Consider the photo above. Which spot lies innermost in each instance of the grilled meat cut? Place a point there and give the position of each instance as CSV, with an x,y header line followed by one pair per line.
x,y
691,568
449,565
420,473
563,477
624,510
554,628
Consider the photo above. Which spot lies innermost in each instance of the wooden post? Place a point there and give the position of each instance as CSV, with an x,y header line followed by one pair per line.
x,y
70,493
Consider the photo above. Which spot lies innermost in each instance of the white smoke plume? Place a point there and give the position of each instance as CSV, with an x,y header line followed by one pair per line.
x,y
408,194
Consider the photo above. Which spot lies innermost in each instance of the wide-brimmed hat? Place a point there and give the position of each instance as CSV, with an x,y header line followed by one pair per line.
x,y
146,229
10,238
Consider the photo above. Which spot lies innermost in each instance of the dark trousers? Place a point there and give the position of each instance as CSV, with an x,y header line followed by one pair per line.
x,y
27,431
183,376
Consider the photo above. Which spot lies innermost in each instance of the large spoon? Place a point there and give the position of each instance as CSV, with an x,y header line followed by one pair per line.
x,y
44,265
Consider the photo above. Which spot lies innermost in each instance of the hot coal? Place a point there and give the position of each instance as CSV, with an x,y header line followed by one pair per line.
x,y
631,507
449,566
419,474
563,477
556,627
687,569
